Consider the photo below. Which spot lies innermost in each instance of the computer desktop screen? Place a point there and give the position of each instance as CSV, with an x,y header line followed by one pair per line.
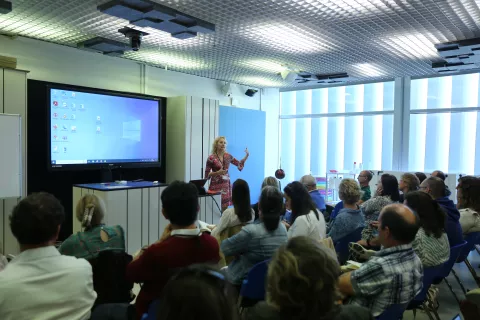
x,y
88,128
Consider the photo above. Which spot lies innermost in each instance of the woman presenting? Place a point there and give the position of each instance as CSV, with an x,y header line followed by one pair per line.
x,y
217,170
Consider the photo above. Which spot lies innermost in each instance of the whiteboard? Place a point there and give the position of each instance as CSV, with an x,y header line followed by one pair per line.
x,y
10,156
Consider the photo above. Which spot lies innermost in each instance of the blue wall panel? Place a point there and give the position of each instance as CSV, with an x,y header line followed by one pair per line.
x,y
245,128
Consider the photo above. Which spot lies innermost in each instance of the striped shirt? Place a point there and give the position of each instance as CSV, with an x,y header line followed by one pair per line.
x,y
431,251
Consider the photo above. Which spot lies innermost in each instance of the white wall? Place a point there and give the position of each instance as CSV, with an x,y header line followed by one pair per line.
x,y
55,63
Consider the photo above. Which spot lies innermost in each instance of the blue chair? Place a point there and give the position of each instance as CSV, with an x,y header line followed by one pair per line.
x,y
471,239
152,311
448,267
341,246
429,275
253,287
394,312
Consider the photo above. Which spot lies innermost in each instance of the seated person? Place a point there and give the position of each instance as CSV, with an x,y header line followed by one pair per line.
x,y
241,213
350,217
197,293
258,241
311,184
468,203
394,274
302,285
268,181
183,245
442,176
364,179
306,219
435,187
90,211
40,283
408,183
431,242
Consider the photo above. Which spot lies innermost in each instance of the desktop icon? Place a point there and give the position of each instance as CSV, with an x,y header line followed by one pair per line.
x,y
55,103
64,138
55,137
98,129
55,127
64,104
55,115
74,106
98,118
73,117
73,94
64,93
74,128
64,116
82,106
55,148
64,127
64,149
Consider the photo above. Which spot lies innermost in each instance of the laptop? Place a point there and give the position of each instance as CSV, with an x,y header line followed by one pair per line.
x,y
200,184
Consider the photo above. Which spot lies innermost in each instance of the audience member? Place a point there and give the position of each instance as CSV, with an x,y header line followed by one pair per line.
x,y
468,203
431,242
40,283
242,211
408,183
258,241
183,246
302,285
443,176
350,217
306,220
364,179
394,274
268,181
421,176
198,293
90,211
387,193
311,184
436,188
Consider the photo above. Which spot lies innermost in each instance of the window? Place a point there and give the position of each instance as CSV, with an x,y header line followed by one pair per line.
x,y
444,113
354,123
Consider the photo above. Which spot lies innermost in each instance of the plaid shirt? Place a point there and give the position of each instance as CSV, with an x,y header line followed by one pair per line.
x,y
392,276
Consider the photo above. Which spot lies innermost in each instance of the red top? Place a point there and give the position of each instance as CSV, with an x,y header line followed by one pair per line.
x,y
160,261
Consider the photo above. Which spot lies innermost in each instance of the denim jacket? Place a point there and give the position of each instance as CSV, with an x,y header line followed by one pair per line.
x,y
250,246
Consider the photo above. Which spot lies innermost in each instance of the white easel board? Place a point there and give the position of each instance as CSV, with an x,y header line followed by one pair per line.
x,y
10,156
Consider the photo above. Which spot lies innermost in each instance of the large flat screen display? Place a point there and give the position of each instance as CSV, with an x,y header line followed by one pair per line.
x,y
88,128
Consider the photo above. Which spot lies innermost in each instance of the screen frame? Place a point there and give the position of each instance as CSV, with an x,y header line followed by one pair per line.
x,y
108,166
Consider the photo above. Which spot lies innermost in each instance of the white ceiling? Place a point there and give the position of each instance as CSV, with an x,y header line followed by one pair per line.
x,y
368,39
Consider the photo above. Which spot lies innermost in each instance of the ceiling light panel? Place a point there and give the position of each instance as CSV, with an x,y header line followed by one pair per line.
x,y
255,38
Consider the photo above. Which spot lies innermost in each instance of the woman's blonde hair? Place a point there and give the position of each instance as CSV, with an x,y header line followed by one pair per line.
x,y
270,181
90,210
411,181
214,145
302,280
349,191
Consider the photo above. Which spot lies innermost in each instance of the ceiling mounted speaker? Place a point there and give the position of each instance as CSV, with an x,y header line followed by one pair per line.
x,y
227,89
288,75
5,6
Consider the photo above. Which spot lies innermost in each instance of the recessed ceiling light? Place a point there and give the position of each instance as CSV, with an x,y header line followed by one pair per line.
x,y
285,38
368,69
264,65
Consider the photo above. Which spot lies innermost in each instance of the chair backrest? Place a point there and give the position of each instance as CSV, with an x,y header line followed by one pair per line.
x,y
254,286
472,240
152,311
109,280
342,245
447,266
394,312
429,275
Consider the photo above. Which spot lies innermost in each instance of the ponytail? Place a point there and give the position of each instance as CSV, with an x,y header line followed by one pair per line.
x,y
90,211
87,215
271,207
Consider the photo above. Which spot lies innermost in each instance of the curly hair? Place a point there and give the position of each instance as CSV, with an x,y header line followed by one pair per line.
x,y
215,142
302,281
411,181
349,191
469,195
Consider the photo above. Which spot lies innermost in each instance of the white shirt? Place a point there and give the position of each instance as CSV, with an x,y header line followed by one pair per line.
x,y
41,284
469,220
229,219
309,226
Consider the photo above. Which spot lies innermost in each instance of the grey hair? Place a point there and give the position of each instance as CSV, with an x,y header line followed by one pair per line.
x,y
270,181
308,181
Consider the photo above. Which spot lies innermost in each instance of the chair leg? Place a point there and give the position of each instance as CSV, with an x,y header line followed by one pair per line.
x,y
459,282
429,314
451,290
472,271
414,313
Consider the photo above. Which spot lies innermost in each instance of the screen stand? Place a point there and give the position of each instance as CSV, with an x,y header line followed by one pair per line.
x,y
107,175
